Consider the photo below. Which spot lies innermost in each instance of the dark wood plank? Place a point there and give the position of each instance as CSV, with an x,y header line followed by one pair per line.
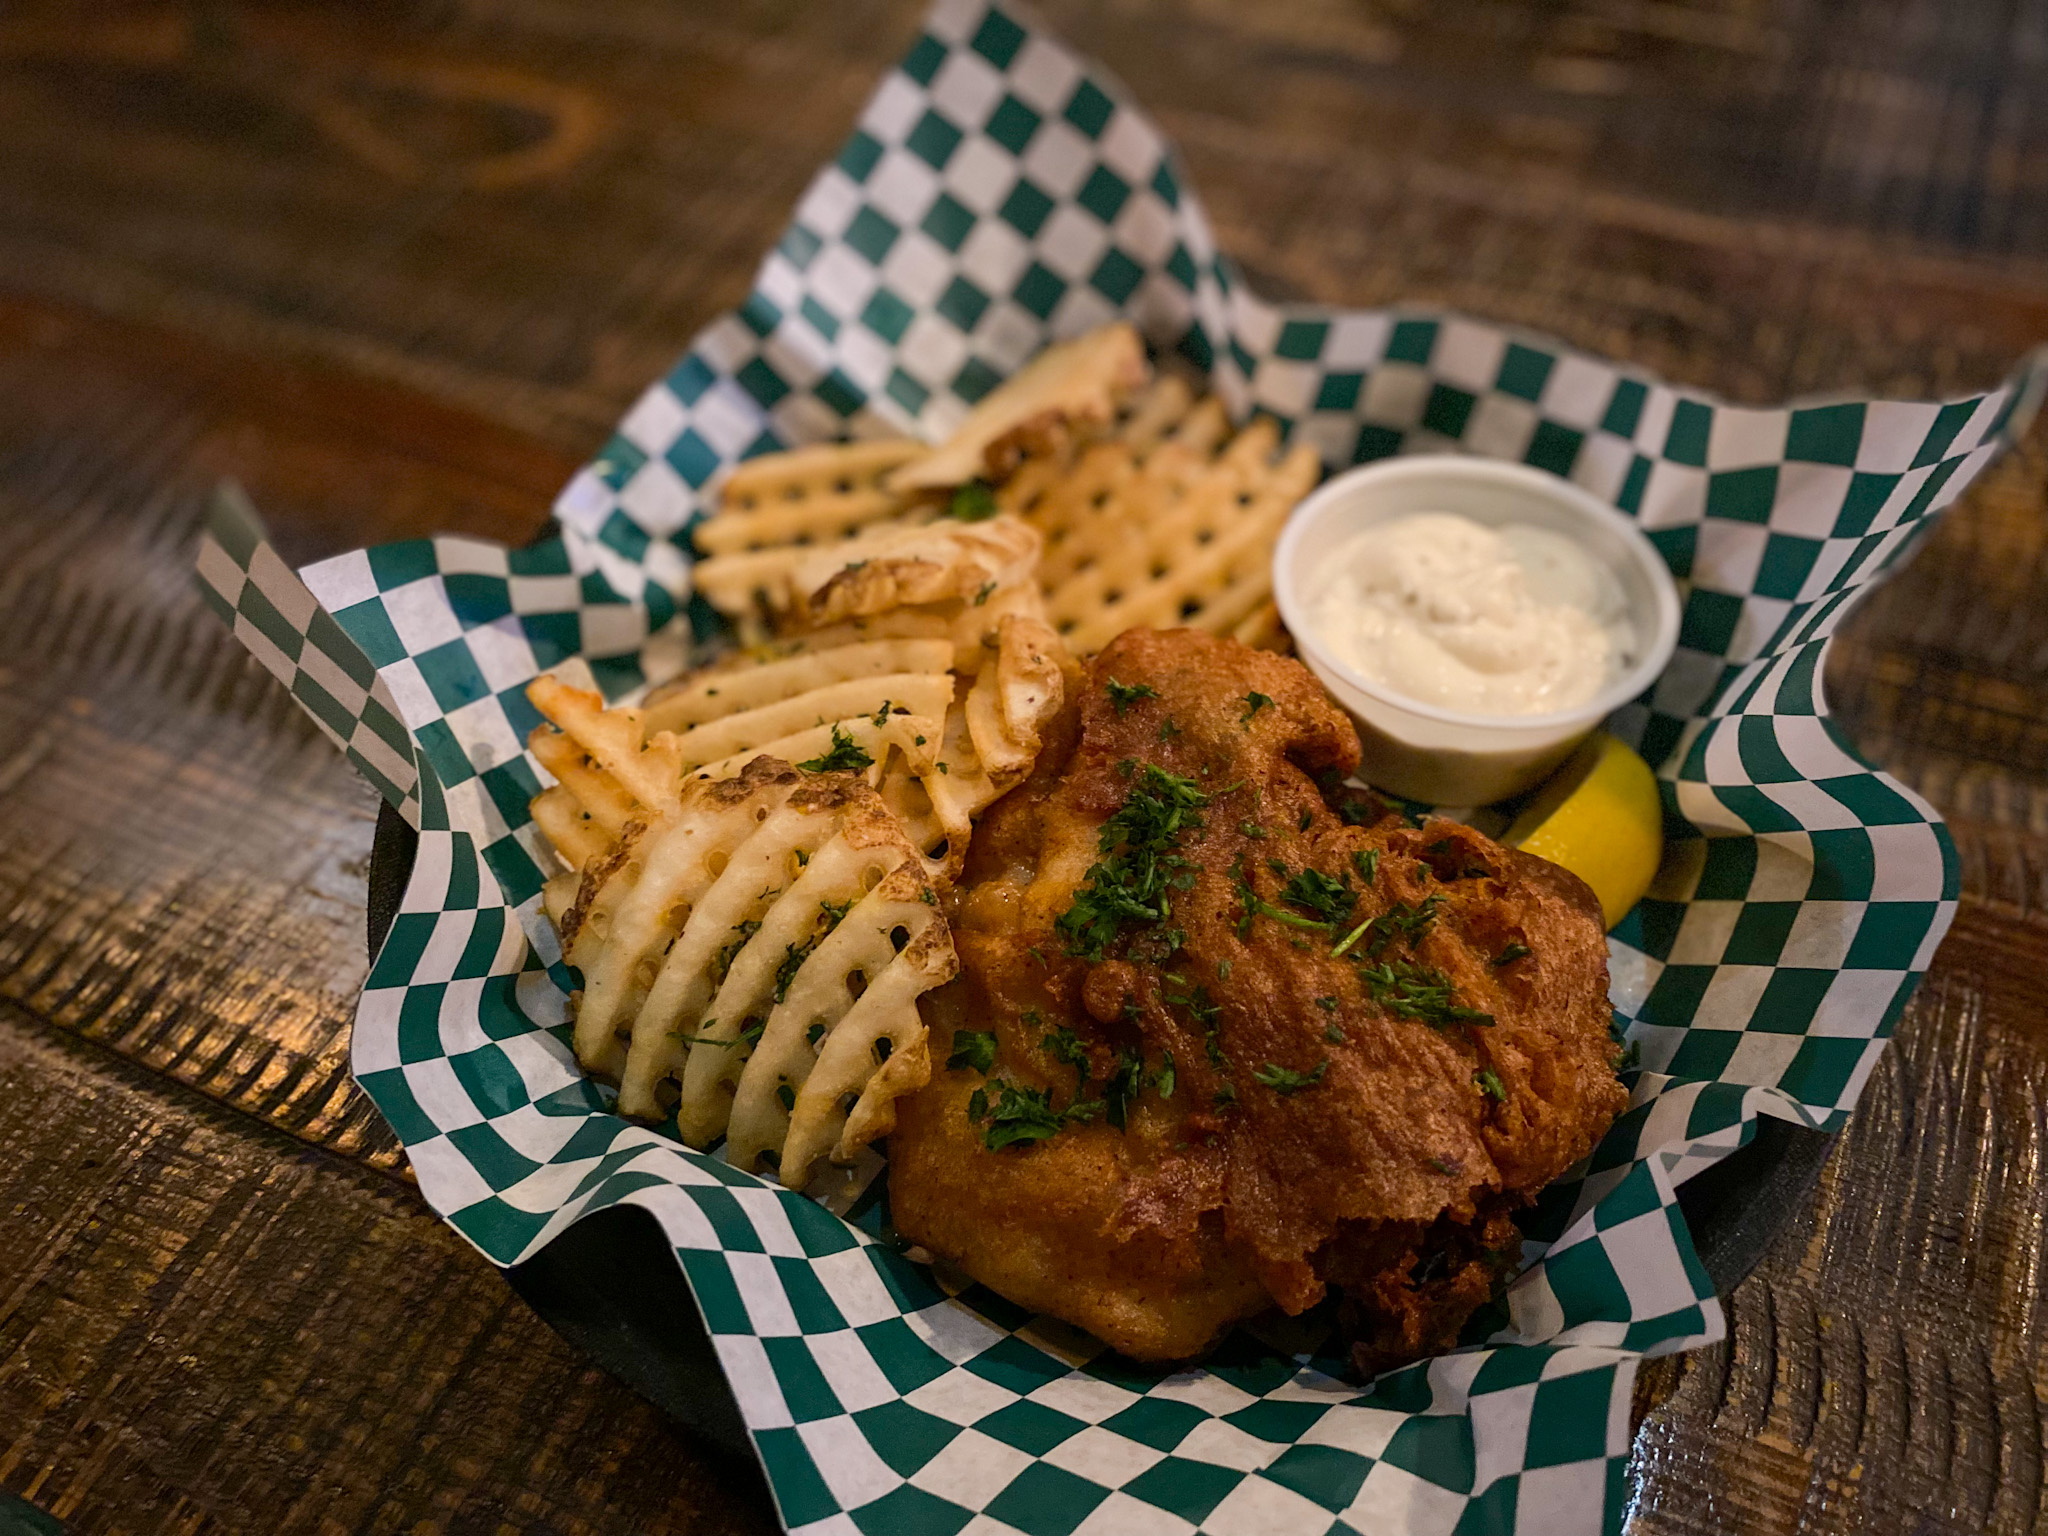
x,y
203,1331
1884,1367
183,875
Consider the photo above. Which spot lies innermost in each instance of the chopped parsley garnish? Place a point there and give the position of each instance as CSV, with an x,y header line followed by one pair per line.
x,y
880,717
1488,1082
1443,1165
925,895
1253,703
1400,921
1201,1007
1126,1082
974,502
1163,1078
794,955
1308,819
752,1031
1158,945
1367,862
1313,891
1067,1046
1358,813
1018,1114
1327,1004
1251,829
1285,1080
974,1049
1123,695
1414,991
845,755
1252,904
1515,951
987,590
1133,881
1226,1095
1335,1035
793,958
1223,968
698,1038
1168,729
721,962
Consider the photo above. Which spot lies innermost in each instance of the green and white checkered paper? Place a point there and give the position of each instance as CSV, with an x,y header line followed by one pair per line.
x,y
1001,191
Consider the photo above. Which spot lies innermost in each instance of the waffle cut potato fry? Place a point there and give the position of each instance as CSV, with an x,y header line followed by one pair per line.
x,y
780,510
939,747
752,958
1073,389
1168,520
875,708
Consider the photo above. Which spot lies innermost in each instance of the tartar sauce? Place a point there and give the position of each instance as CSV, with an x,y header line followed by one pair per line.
x,y
1513,620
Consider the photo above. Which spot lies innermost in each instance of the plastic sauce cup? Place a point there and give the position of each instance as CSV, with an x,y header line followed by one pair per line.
x,y
1445,756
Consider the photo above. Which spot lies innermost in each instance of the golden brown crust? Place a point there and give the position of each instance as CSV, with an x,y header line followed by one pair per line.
x,y
1200,1213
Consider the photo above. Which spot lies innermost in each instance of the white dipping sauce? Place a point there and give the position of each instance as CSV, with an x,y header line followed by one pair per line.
x,y
1513,620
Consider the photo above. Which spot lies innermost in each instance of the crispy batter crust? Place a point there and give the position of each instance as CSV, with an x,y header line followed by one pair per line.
x,y
1390,1174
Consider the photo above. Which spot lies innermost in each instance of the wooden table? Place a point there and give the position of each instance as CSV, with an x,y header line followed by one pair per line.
x,y
398,267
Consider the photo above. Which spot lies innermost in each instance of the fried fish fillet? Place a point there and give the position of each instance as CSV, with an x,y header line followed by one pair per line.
x,y
1223,1040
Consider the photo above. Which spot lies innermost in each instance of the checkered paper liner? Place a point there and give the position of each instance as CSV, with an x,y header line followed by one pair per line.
x,y
1001,191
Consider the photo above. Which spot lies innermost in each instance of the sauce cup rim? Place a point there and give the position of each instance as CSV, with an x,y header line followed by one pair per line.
x,y
1660,640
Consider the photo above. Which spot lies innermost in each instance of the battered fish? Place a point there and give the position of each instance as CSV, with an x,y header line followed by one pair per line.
x,y
1222,1041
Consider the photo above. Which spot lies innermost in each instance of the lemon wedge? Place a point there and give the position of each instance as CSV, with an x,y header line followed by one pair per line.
x,y
1601,818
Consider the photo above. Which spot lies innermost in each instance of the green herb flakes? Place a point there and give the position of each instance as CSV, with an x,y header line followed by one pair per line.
x,y
1123,695
1285,1081
1140,868
845,755
974,502
974,1050
1412,991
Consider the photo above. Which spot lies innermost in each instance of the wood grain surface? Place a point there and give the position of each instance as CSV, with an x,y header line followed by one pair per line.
x,y
397,267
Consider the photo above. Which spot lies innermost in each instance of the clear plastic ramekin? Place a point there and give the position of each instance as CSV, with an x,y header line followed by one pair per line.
x,y
1444,756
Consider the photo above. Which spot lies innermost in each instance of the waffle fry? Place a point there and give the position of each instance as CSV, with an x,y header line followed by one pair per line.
x,y
634,901
884,726
750,682
756,946
1169,521
901,567
776,512
1069,388
806,496
1013,697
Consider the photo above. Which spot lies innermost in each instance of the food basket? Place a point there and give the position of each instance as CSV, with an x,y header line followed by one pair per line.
x,y
1001,191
